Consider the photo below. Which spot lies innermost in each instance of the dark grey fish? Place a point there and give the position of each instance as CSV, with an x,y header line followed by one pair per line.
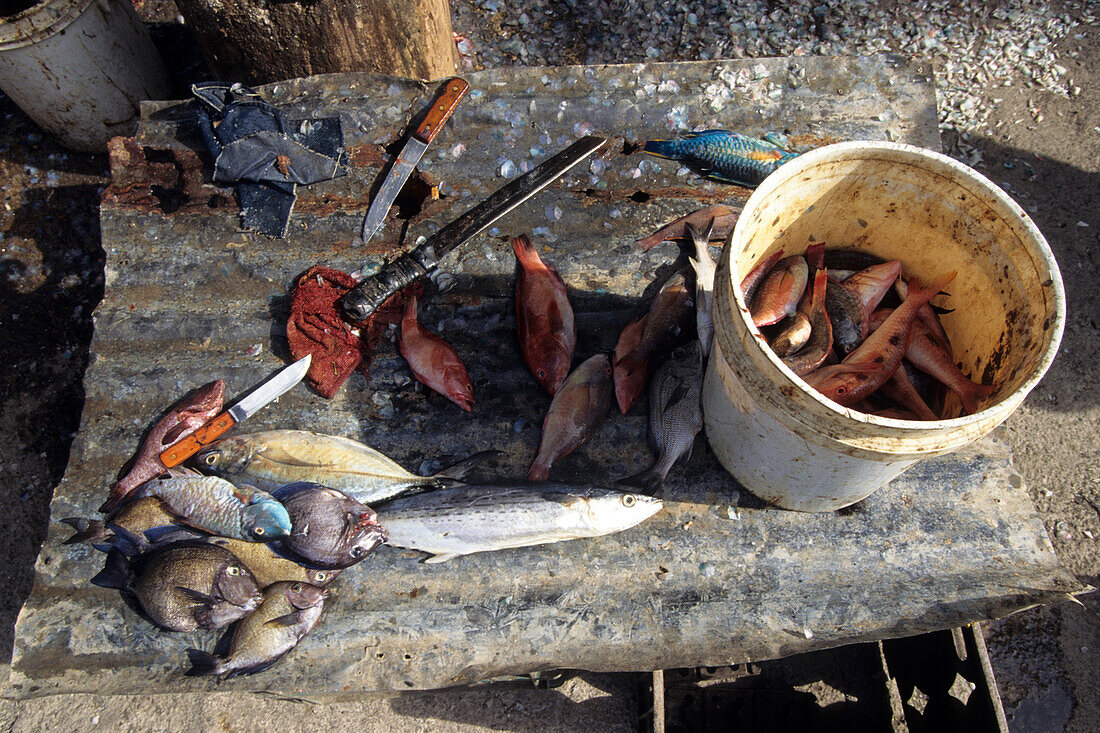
x,y
289,611
675,413
846,316
134,516
184,586
330,529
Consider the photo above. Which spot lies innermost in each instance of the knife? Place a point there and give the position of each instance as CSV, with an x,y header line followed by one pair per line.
x,y
410,155
286,378
362,300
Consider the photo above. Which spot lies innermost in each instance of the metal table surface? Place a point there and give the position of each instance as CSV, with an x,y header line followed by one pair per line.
x,y
715,578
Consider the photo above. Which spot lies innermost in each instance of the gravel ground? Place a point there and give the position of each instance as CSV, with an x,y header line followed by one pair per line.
x,y
1017,84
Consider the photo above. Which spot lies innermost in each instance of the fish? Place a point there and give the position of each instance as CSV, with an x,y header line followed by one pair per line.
x,y
136,516
720,216
901,390
269,567
779,292
272,458
544,317
215,505
870,285
182,419
675,413
670,312
724,156
433,361
289,611
575,413
184,586
331,529
928,317
874,361
846,317
629,385
796,332
704,267
820,343
756,275
466,519
926,352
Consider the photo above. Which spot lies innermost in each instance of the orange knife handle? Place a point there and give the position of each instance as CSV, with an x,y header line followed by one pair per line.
x,y
442,107
195,442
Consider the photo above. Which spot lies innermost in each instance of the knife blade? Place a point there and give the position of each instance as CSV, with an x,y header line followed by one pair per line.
x,y
410,155
286,378
362,300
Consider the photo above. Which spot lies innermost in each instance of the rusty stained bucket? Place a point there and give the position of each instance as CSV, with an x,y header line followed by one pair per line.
x,y
783,440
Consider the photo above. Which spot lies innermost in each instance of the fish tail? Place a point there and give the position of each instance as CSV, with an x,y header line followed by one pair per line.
x,y
115,572
927,292
648,481
970,393
458,471
114,501
202,663
525,252
87,530
662,148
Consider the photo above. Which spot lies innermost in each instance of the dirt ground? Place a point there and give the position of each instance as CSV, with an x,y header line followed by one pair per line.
x,y
1045,153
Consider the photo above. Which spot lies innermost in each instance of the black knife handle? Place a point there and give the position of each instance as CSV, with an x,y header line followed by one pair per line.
x,y
365,298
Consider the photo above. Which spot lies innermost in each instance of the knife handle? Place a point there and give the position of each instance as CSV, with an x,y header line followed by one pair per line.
x,y
442,107
195,442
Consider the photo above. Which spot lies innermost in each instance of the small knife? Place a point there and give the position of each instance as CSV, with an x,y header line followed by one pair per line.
x,y
286,378
410,155
362,300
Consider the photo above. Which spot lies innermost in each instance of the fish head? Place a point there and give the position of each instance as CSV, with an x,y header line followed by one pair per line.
x,y
317,576
613,511
265,520
228,455
234,583
365,534
203,403
304,595
459,389
553,366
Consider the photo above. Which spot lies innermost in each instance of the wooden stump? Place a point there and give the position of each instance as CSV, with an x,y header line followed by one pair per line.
x,y
262,41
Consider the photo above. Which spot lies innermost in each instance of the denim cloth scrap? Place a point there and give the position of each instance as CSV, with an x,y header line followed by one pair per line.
x,y
267,154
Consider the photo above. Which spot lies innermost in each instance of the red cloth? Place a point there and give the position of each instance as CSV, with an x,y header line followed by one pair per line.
x,y
316,327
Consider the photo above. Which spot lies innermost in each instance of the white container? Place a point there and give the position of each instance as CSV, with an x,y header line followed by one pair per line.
x,y
80,68
783,440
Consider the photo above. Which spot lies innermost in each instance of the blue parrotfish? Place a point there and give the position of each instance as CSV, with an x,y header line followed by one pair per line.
x,y
725,156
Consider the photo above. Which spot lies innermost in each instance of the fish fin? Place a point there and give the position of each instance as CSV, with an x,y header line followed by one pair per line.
x,y
679,392
285,492
289,619
458,471
87,530
116,571
202,663
173,433
196,597
254,668
126,541
172,533
648,481
659,148
114,501
442,557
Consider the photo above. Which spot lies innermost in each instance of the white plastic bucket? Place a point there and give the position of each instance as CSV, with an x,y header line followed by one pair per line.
x,y
779,437
80,68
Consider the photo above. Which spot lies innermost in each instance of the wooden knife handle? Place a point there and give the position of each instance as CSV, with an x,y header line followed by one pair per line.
x,y
453,91
193,443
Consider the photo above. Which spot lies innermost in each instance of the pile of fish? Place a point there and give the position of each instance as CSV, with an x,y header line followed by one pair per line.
x,y
853,328
281,513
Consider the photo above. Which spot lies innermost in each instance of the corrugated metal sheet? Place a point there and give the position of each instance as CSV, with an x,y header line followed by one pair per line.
x,y
715,578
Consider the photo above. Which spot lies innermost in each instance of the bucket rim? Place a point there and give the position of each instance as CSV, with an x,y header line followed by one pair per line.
x,y
39,22
902,153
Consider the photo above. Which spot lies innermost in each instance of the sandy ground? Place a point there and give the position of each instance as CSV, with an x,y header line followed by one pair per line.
x,y
1046,153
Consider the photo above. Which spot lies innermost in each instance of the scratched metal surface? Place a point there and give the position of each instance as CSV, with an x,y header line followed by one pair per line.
x,y
715,578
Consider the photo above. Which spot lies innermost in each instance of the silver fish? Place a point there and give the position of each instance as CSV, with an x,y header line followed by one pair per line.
x,y
704,286
467,519
289,611
215,505
675,413
273,458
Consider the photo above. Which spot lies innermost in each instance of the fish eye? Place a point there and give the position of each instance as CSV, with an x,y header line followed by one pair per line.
x,y
233,570
296,588
357,552
320,577
210,459
541,374
628,500
258,531
841,390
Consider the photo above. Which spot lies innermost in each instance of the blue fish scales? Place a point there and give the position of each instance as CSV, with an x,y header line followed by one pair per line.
x,y
722,155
